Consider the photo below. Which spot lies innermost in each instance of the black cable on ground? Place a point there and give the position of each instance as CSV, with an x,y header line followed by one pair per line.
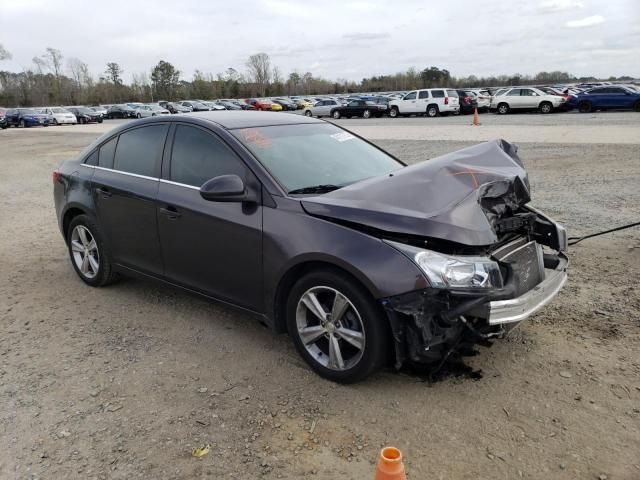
x,y
574,240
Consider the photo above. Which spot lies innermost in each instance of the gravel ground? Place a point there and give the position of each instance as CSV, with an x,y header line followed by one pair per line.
x,y
122,382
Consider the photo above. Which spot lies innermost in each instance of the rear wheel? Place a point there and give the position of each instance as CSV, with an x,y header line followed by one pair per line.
x,y
138,115
503,108
636,106
22,124
55,122
308,113
336,114
89,255
366,114
585,107
393,113
546,107
336,326
432,111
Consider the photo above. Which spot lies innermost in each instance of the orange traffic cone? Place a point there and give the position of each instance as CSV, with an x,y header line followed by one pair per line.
x,y
390,466
476,117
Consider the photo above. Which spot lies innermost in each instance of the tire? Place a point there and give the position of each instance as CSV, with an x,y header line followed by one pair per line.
x,y
366,114
502,109
21,124
100,120
308,113
336,114
585,107
99,268
55,122
546,107
432,111
394,113
138,115
361,318
636,106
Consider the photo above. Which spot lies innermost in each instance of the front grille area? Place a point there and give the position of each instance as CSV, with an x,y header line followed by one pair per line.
x,y
525,264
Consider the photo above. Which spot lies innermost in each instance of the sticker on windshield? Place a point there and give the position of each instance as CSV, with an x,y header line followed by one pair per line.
x,y
342,136
252,135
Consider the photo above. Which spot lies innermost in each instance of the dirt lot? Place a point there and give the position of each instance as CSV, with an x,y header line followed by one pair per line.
x,y
123,382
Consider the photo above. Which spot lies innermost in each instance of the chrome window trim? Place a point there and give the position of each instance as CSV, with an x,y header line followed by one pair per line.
x,y
178,184
137,175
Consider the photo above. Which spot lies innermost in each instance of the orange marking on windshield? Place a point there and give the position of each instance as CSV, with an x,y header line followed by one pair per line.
x,y
252,135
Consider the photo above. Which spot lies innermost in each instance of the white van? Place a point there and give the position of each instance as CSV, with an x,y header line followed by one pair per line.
x,y
430,102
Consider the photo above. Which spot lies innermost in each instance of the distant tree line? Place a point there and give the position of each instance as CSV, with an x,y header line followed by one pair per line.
x,y
54,80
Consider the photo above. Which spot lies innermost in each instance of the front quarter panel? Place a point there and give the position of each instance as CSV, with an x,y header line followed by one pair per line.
x,y
291,237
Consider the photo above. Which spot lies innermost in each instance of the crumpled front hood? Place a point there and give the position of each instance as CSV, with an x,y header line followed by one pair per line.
x,y
456,197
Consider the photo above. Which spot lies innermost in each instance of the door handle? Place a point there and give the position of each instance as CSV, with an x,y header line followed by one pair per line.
x,y
170,212
104,192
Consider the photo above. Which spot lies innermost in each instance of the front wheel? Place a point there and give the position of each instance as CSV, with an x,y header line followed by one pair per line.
x,y
55,122
336,114
308,113
636,106
393,113
336,326
585,107
22,124
138,115
89,255
366,114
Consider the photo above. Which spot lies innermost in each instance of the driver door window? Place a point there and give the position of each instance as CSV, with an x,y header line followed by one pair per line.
x,y
198,156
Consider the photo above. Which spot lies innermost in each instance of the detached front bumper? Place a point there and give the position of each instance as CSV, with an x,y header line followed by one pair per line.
x,y
520,308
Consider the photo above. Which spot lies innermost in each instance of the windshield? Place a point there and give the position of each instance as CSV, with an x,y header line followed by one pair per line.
x,y
301,156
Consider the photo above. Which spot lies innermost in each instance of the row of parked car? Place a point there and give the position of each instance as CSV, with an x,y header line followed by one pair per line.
x,y
431,102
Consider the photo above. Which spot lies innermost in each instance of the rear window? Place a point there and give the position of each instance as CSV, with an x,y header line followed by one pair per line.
x,y
452,93
107,150
139,150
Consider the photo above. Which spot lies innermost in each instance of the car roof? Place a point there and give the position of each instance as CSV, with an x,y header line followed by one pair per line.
x,y
230,119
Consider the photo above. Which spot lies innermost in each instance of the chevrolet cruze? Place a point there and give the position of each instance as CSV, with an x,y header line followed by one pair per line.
x,y
363,260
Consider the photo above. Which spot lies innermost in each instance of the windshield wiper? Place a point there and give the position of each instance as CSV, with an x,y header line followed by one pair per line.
x,y
315,189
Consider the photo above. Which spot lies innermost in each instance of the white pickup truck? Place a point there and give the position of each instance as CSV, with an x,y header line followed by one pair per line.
x,y
430,102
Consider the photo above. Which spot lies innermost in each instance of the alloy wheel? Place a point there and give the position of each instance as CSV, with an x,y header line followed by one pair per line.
x,y
330,328
85,251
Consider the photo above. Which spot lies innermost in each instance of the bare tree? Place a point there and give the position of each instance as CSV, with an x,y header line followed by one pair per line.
x,y
259,66
79,71
40,64
4,53
53,59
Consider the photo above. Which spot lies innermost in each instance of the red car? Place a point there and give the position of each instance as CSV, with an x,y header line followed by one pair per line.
x,y
258,104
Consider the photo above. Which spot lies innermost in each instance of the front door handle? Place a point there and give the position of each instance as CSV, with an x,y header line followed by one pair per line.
x,y
171,212
104,192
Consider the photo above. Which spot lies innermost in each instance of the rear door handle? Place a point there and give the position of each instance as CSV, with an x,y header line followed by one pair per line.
x,y
171,212
104,192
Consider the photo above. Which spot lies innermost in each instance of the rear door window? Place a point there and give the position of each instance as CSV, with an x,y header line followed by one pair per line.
x,y
139,151
423,94
515,92
198,156
92,159
105,158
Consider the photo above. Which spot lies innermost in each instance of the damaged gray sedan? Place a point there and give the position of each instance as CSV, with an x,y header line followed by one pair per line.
x,y
363,260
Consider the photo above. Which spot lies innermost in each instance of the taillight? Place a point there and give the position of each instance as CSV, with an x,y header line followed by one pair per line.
x,y
446,100
467,99
56,176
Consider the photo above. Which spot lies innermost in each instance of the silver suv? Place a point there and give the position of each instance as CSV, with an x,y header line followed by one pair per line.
x,y
430,102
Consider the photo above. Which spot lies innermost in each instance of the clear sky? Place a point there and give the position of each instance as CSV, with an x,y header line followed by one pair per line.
x,y
331,38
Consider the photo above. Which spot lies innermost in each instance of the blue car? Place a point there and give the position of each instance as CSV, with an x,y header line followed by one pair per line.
x,y
611,97
26,117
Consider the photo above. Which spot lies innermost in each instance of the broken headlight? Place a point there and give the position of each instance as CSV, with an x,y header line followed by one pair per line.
x,y
448,271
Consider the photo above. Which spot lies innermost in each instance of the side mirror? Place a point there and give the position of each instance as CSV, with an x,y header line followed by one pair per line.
x,y
226,188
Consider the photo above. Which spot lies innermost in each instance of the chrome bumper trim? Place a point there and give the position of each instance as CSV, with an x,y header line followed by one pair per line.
x,y
518,309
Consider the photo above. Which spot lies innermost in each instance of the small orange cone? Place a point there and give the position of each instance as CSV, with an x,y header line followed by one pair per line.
x,y
476,117
390,466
